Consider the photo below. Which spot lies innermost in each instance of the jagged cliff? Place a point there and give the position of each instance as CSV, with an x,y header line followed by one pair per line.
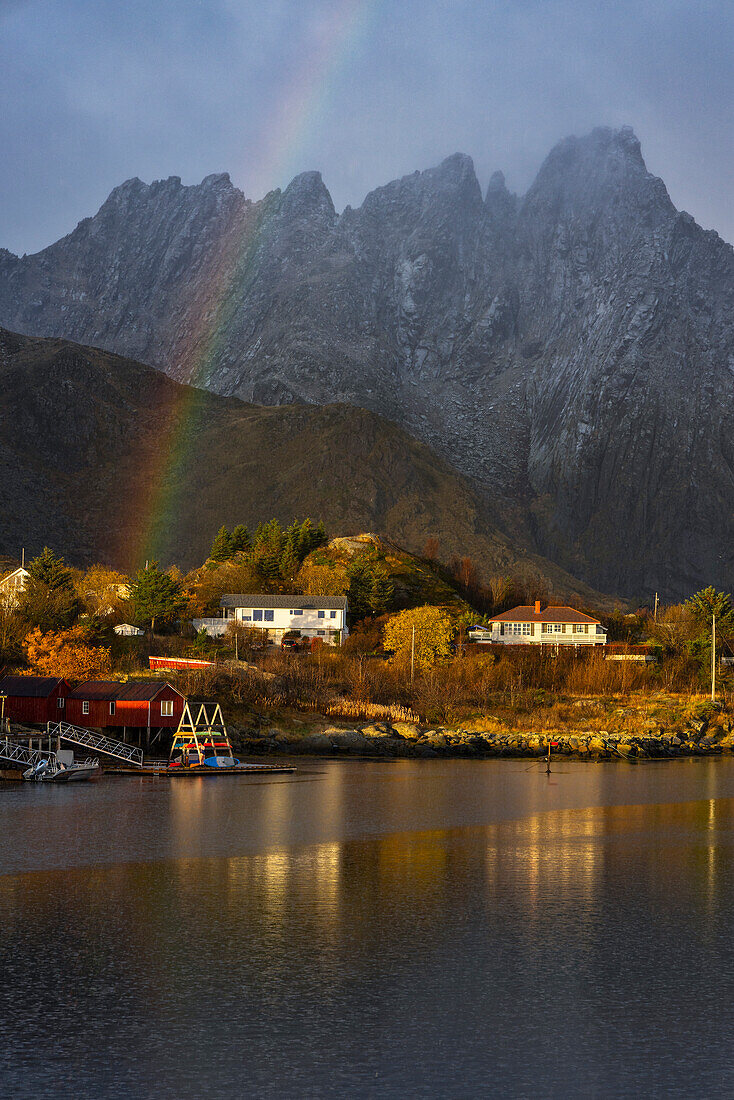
x,y
570,351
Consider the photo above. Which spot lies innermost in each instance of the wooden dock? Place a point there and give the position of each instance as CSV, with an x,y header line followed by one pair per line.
x,y
160,768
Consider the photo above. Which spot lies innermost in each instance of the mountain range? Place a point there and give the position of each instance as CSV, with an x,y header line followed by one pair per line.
x,y
107,459
567,356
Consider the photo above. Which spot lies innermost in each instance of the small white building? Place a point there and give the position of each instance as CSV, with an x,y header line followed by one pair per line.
x,y
127,630
12,584
528,625
322,617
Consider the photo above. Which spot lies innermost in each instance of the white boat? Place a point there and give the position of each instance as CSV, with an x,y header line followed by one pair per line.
x,y
54,770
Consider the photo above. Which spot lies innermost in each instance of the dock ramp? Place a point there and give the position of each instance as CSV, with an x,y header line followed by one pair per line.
x,y
98,742
21,757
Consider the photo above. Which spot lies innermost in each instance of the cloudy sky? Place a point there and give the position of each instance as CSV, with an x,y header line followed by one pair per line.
x,y
95,91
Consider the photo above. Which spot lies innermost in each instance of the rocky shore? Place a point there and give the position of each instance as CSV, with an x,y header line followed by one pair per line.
x,y
697,737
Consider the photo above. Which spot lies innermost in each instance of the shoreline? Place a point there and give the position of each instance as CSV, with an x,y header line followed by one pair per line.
x,y
383,740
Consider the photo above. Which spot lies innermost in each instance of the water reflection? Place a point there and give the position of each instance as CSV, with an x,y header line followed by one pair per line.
x,y
427,961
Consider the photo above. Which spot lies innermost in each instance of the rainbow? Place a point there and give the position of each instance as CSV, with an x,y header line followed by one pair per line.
x,y
303,102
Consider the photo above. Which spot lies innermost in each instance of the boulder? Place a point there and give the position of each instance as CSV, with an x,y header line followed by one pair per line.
x,y
379,729
409,730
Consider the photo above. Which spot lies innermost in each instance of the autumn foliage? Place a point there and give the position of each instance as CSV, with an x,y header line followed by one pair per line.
x,y
66,653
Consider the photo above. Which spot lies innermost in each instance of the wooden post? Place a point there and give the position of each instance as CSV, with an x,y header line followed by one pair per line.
x,y
412,657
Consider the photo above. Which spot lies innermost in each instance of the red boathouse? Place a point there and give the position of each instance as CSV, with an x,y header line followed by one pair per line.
x,y
34,699
144,704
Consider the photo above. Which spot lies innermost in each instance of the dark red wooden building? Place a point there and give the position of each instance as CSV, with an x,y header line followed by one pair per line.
x,y
34,699
136,705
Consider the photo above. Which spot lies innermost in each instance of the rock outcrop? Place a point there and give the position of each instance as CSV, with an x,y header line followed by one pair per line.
x,y
571,352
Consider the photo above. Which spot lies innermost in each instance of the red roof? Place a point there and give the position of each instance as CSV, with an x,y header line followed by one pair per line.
x,y
526,613
113,689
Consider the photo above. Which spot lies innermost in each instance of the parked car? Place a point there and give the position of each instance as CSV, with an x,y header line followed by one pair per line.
x,y
293,640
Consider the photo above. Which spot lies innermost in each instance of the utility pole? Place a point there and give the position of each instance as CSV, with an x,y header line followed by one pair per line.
x,y
713,658
655,616
412,657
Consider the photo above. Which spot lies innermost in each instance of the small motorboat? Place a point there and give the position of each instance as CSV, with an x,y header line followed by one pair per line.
x,y
54,770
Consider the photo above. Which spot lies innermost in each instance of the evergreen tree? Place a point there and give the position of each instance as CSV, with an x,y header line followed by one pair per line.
x,y
708,602
382,590
370,587
321,537
289,563
240,539
305,539
49,569
49,600
222,548
156,595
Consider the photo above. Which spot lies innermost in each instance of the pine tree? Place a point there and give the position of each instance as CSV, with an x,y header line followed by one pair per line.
x,y
240,539
289,563
49,600
321,537
222,548
381,590
156,595
305,539
50,570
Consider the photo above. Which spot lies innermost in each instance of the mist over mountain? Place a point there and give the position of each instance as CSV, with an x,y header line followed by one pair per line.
x,y
569,353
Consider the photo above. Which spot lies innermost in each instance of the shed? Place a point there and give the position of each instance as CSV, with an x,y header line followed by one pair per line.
x,y
138,704
127,630
34,699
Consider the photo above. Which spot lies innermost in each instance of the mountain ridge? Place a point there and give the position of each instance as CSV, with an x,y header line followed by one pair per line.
x,y
105,458
563,350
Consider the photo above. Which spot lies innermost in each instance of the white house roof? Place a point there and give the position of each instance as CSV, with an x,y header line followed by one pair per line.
x,y
529,614
287,601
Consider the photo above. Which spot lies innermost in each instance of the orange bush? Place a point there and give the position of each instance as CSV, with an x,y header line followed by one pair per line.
x,y
66,653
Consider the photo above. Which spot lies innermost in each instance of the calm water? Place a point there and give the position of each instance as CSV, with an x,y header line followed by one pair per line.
x,y
401,929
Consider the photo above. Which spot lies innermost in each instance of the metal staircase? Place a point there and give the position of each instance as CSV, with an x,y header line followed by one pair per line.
x,y
131,754
19,755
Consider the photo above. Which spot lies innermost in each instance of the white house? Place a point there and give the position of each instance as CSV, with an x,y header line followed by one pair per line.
x,y
312,616
528,625
12,584
127,630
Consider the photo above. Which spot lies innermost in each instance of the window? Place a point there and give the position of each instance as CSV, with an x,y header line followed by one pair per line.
x,y
297,612
257,616
332,614
269,616
581,629
322,614
112,707
60,703
167,708
321,632
85,707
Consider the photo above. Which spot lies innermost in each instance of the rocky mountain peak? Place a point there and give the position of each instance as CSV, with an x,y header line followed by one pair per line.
x,y
500,204
571,352
307,195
